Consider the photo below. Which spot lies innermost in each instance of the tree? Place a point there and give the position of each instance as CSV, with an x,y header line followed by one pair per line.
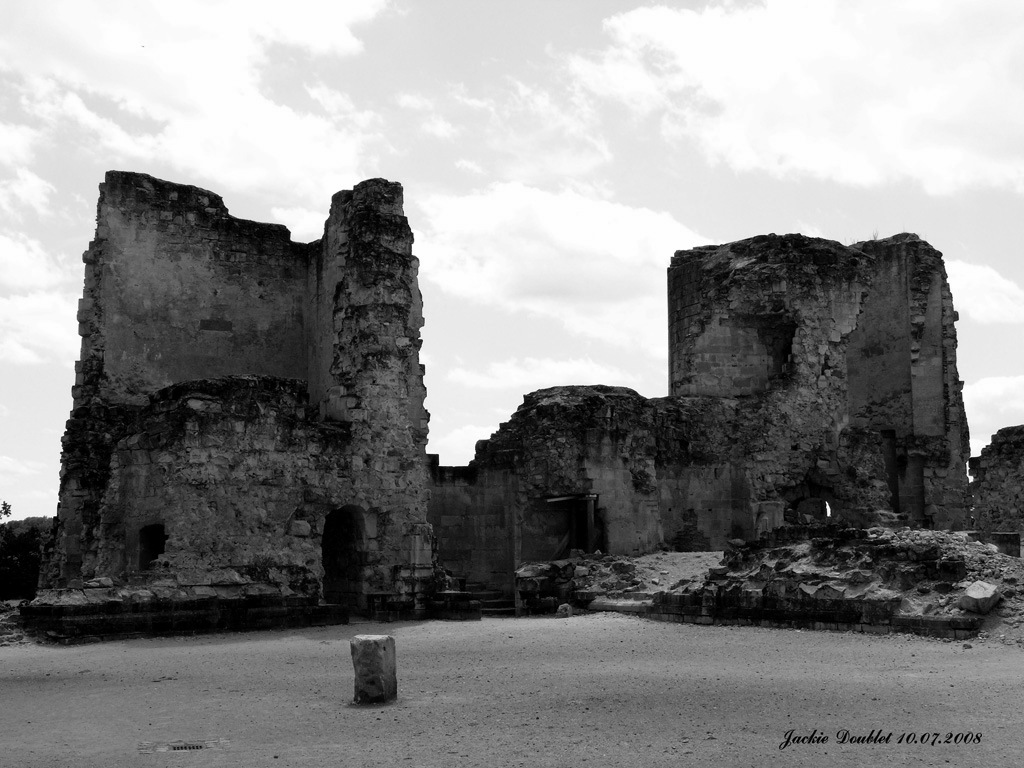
x,y
20,548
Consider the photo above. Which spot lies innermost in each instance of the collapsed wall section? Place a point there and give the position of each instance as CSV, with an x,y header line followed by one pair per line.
x,y
163,463
175,289
242,488
998,487
808,380
178,289
768,312
904,381
602,468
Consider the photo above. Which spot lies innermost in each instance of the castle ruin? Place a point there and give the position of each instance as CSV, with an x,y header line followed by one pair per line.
x,y
248,419
248,411
807,380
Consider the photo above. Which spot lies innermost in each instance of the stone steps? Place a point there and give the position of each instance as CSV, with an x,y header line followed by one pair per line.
x,y
503,607
492,601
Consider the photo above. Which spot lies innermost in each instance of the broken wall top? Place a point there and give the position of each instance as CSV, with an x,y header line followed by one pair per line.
x,y
758,261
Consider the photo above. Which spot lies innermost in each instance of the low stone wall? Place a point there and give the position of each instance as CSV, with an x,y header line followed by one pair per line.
x,y
803,606
108,619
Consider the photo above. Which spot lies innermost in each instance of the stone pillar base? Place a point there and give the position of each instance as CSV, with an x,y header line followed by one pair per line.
x,y
373,657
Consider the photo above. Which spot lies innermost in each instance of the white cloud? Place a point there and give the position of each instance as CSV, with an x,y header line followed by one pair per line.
x,y
305,224
25,190
11,468
25,265
533,373
340,105
468,165
535,134
184,85
16,143
50,495
437,126
596,266
983,295
430,122
414,101
456,447
861,93
991,404
39,326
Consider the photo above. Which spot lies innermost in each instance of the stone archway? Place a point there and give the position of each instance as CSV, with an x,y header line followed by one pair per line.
x,y
343,549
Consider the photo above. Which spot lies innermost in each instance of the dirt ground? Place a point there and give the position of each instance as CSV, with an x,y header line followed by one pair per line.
x,y
590,690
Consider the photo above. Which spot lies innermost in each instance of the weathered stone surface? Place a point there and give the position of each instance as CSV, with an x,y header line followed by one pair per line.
x,y
376,677
980,597
248,405
998,487
809,381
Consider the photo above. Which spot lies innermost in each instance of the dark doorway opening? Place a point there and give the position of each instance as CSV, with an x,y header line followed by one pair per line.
x,y
343,549
561,524
892,467
152,539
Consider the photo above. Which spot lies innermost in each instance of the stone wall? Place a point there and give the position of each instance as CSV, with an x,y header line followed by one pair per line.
x,y
602,468
242,399
178,289
243,482
998,487
807,380
864,335
904,381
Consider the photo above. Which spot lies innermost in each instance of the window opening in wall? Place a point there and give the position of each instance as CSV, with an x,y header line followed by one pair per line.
x,y
777,337
152,539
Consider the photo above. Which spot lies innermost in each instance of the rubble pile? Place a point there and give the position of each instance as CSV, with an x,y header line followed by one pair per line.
x,y
877,580
929,570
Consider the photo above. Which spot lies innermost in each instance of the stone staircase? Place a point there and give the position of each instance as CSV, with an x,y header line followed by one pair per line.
x,y
492,602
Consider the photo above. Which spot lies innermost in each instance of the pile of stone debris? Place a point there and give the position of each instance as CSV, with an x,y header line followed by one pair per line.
x,y
919,576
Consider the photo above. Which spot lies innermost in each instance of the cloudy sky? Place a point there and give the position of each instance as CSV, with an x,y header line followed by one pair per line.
x,y
554,155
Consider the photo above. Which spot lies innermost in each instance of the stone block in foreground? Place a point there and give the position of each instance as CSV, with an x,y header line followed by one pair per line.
x,y
373,657
980,597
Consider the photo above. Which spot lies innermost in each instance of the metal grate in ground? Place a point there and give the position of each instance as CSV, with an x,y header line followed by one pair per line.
x,y
191,745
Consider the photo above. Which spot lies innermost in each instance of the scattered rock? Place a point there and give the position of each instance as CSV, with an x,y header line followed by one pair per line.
x,y
980,597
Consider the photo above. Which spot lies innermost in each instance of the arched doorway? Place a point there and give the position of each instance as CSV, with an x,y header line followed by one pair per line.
x,y
343,549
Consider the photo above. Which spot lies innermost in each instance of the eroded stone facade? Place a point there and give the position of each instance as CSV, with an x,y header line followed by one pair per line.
x,y
998,487
808,381
248,411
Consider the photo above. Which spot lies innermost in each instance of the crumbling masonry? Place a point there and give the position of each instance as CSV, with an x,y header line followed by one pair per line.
x,y
248,418
807,380
248,412
998,489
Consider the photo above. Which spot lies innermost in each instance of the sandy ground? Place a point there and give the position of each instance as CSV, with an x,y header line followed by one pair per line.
x,y
590,690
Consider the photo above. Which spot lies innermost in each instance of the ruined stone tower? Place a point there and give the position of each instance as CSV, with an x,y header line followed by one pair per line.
x,y
248,412
859,337
807,380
